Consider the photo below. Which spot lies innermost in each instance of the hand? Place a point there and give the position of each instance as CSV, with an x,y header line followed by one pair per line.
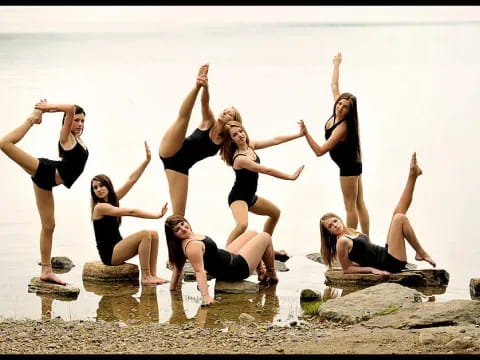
x,y
303,128
207,300
337,59
148,155
164,210
43,106
202,78
379,272
297,173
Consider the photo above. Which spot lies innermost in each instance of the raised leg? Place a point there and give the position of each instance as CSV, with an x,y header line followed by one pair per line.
x,y
407,194
178,188
239,242
240,215
349,186
362,209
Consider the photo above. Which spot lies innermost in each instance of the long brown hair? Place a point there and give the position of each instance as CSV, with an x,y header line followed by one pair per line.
x,y
351,119
229,147
176,256
328,241
112,196
78,110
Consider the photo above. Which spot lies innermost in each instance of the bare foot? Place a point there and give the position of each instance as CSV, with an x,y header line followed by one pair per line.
x,y
414,168
426,258
49,276
153,280
203,71
270,278
160,280
261,271
35,117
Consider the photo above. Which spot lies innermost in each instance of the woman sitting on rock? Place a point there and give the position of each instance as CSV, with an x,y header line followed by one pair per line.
x,y
355,252
235,263
106,216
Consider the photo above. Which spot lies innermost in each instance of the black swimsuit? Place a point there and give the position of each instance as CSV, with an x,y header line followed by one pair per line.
x,y
364,253
107,236
69,167
344,155
195,147
245,185
222,264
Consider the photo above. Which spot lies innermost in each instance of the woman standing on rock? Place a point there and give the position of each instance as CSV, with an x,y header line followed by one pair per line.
x,y
238,151
355,252
106,217
179,154
235,263
343,144
48,173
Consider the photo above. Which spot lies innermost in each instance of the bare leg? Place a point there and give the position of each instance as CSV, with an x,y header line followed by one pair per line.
x,y
407,195
349,185
362,209
240,215
137,243
46,209
153,257
235,246
178,187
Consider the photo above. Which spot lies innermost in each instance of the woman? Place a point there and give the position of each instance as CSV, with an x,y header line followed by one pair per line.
x,y
48,173
343,143
106,217
179,154
355,252
238,151
235,263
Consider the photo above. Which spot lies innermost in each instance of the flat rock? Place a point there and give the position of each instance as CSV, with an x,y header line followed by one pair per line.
x,y
475,288
236,287
97,271
281,266
43,287
111,288
310,295
367,303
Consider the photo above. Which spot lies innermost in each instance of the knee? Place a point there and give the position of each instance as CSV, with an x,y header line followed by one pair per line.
x,y
146,235
350,205
399,218
276,214
266,237
153,235
48,227
251,233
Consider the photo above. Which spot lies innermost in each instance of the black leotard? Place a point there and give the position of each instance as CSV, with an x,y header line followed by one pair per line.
x,y
364,253
245,185
222,264
344,155
195,147
107,236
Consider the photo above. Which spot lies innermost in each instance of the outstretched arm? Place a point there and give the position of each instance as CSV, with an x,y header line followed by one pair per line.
x,y
244,162
69,111
337,59
134,176
194,253
338,134
275,141
103,209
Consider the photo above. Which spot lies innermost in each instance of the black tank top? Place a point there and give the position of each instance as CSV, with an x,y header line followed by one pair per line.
x,y
72,163
216,261
342,153
106,231
364,253
246,181
200,145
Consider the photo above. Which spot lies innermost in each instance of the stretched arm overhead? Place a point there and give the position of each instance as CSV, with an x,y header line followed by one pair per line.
x,y
338,134
134,176
350,267
337,59
275,141
194,253
243,162
103,209
69,111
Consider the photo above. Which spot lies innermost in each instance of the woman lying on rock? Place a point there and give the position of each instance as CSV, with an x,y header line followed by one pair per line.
x,y
355,252
107,217
235,263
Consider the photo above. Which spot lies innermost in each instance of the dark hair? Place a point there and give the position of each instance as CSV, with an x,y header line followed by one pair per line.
x,y
353,137
78,110
328,241
112,196
228,147
176,256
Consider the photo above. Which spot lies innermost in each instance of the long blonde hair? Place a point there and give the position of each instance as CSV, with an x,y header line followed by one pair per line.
x,y
328,241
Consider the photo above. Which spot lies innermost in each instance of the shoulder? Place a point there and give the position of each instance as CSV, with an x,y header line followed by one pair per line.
x,y
343,241
100,208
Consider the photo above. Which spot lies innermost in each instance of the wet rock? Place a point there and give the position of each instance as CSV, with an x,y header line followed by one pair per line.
x,y
309,295
281,266
317,257
189,273
246,318
475,288
61,262
97,271
43,287
236,287
367,303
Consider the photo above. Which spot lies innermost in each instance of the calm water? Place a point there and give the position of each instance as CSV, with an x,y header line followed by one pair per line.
x,y
417,88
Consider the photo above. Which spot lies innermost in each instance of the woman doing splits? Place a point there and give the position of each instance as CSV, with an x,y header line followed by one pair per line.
x,y
48,173
343,144
179,154
235,263
106,217
238,151
355,252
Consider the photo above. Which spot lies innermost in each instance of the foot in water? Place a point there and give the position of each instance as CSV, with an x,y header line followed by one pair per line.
x,y
49,276
261,271
414,168
426,258
281,255
270,277
153,281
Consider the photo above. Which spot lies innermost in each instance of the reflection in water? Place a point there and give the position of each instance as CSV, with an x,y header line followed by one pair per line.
x,y
47,301
428,292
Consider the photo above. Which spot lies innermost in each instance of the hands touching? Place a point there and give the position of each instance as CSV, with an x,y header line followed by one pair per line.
x,y
202,78
303,128
337,59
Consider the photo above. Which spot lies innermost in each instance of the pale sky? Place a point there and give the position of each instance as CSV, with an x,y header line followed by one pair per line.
x,y
122,18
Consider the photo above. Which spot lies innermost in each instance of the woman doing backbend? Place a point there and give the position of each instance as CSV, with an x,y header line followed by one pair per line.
x,y
355,252
240,258
106,217
48,173
343,144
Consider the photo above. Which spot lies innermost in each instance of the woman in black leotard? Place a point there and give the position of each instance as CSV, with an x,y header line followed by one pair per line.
x,y
343,144
106,217
236,262
355,252
179,154
48,173
238,151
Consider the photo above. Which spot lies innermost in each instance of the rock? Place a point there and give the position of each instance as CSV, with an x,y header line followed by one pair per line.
x,y
367,303
246,318
281,266
61,262
459,344
189,273
317,257
97,271
475,288
104,288
426,338
236,287
43,287
309,295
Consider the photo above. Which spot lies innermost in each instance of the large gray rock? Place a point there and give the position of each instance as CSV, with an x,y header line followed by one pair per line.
x,y
475,288
236,287
43,287
97,271
367,303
